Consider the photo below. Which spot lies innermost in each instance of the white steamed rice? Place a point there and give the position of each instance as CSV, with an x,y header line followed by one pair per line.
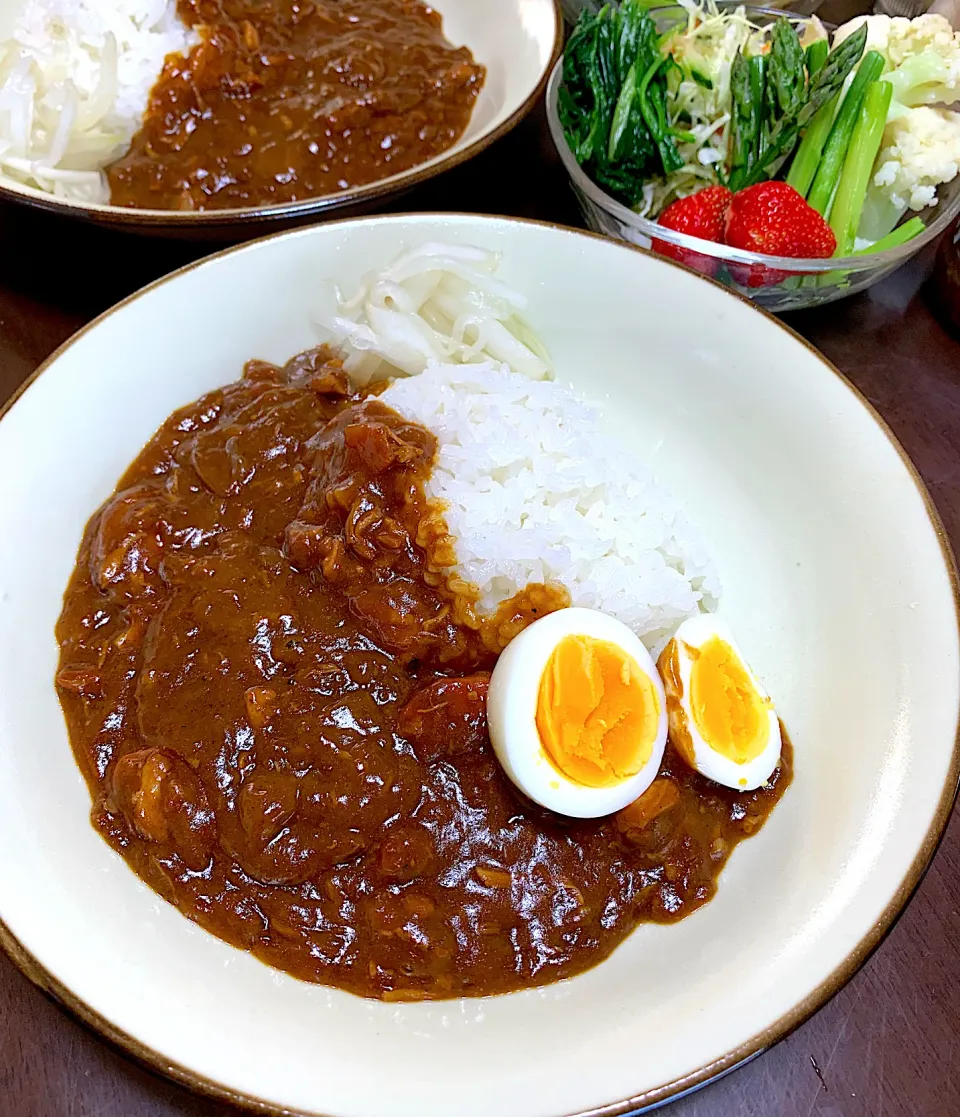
x,y
534,491
532,488
75,77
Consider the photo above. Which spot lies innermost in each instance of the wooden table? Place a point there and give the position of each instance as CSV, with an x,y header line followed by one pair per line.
x,y
889,1044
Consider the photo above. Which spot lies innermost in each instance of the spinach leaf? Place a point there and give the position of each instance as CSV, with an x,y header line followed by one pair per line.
x,y
612,102
624,117
632,27
653,108
586,95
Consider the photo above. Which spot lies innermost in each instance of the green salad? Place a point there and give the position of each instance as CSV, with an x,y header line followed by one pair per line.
x,y
859,124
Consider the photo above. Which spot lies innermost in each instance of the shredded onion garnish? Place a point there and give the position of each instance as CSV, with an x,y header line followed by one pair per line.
x,y
75,77
438,304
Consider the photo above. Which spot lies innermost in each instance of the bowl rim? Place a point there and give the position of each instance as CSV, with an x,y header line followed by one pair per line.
x,y
173,221
858,955
866,261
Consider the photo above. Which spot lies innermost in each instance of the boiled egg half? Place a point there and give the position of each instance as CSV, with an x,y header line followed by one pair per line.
x,y
577,713
722,721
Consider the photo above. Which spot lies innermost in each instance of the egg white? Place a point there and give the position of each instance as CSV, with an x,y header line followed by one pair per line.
x,y
694,633
512,712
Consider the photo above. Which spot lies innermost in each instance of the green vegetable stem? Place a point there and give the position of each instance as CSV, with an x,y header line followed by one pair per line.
x,y
622,114
804,164
858,165
816,55
907,231
763,101
807,158
821,192
653,109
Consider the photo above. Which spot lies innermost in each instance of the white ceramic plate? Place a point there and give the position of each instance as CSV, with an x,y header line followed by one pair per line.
x,y
838,583
517,40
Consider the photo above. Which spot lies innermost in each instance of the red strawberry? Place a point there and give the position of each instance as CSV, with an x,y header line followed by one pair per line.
x,y
774,219
701,215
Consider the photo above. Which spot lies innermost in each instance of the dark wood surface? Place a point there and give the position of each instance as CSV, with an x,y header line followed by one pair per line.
x,y
889,1044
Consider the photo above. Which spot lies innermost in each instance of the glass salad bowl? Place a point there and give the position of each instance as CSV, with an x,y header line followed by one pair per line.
x,y
776,283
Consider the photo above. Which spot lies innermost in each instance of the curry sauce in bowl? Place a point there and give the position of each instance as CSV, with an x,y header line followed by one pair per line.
x,y
285,731
256,112
283,103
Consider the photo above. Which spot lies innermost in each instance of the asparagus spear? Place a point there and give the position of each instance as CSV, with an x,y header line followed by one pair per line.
x,y
785,72
804,165
748,88
825,85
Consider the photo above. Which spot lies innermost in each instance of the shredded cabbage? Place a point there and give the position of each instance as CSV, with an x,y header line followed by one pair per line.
x,y
438,304
698,92
75,76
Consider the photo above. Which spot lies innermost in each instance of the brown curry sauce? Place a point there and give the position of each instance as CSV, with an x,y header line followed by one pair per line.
x,y
290,99
281,716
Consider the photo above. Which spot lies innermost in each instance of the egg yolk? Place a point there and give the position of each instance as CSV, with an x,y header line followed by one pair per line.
x,y
728,710
597,712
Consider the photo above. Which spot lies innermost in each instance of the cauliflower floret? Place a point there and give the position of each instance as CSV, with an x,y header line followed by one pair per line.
x,y
897,38
878,32
925,79
923,56
927,32
919,152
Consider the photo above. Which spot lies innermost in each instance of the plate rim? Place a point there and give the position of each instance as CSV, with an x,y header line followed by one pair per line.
x,y
147,1057
197,221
